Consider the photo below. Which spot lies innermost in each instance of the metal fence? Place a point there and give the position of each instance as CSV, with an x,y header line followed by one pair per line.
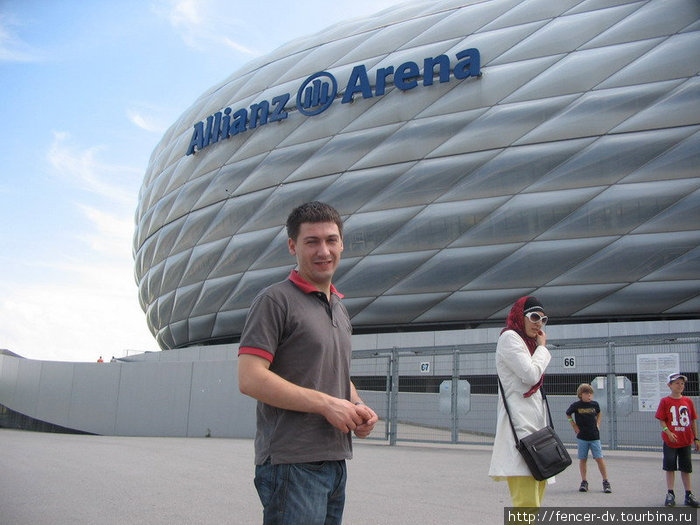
x,y
449,394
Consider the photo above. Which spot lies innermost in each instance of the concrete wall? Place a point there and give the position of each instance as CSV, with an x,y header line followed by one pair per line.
x,y
183,393
193,392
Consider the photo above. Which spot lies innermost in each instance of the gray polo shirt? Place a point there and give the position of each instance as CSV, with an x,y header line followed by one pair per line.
x,y
308,341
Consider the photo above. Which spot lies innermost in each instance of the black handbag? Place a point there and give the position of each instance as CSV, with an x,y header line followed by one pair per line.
x,y
542,450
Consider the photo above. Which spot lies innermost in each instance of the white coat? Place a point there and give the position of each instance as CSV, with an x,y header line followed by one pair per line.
x,y
518,371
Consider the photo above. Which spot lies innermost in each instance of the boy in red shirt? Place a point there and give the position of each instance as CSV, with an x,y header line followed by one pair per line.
x,y
679,430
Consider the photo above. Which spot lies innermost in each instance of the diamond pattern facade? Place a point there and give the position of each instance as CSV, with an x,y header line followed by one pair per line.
x,y
570,169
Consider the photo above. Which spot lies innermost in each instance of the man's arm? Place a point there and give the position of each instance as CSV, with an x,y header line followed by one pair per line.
x,y
369,417
255,379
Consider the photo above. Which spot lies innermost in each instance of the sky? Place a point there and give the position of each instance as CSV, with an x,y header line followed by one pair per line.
x,y
87,91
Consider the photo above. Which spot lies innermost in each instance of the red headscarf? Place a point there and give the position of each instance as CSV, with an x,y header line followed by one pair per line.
x,y
516,322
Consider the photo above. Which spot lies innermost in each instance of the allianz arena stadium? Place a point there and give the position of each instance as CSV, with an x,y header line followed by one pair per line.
x,y
477,150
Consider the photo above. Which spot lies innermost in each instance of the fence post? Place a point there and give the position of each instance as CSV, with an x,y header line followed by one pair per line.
x,y
393,411
612,396
455,393
387,398
697,362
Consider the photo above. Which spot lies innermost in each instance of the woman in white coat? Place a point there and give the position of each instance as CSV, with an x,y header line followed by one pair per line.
x,y
521,358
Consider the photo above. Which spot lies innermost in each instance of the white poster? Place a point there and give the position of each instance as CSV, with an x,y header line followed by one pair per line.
x,y
652,371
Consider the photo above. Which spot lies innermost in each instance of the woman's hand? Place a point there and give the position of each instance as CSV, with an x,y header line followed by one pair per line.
x,y
541,338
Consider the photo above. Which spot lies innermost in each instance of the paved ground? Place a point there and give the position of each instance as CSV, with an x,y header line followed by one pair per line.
x,y
72,479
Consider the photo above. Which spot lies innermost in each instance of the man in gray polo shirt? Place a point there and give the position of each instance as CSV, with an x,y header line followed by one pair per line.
x,y
294,358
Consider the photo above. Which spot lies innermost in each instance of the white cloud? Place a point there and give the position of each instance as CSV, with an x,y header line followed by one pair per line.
x,y
149,123
204,24
238,47
93,311
12,47
90,305
86,172
110,234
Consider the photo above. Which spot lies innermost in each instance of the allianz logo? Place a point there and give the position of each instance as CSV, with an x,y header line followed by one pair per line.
x,y
320,90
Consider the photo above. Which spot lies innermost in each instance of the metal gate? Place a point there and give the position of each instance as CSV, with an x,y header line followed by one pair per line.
x,y
448,394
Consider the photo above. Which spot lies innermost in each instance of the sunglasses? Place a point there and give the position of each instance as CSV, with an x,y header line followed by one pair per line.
x,y
536,318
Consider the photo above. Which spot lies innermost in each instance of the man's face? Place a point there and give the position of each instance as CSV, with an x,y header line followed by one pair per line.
x,y
586,397
317,249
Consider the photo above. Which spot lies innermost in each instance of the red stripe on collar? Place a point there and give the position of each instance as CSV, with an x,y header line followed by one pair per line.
x,y
307,287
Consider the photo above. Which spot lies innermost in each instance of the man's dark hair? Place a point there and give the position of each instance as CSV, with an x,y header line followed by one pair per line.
x,y
312,212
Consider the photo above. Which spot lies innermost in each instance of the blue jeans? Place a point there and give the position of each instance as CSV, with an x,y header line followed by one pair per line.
x,y
302,493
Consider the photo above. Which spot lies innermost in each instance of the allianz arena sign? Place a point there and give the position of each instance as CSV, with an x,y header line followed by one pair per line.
x,y
318,91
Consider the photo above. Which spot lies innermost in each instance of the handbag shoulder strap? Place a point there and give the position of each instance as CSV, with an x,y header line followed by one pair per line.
x,y
510,419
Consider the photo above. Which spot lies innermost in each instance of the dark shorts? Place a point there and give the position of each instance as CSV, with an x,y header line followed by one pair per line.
x,y
677,459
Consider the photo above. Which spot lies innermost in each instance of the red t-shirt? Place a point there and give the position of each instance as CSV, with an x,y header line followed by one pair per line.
x,y
678,414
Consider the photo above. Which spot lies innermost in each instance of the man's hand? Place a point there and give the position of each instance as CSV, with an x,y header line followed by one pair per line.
x,y
342,414
370,419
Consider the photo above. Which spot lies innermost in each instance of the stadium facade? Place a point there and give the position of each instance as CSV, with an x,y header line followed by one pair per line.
x,y
478,151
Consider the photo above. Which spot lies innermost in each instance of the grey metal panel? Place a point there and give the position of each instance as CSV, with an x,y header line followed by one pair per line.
x,y
439,225
678,162
9,370
630,258
386,309
662,297
55,392
25,398
670,58
524,219
678,108
94,397
154,399
580,71
470,303
367,279
451,269
511,170
409,189
615,158
650,20
225,320
537,263
505,124
371,229
685,267
621,208
566,33
217,408
597,112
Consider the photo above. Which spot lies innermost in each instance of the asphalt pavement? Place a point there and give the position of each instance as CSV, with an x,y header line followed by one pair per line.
x,y
80,479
